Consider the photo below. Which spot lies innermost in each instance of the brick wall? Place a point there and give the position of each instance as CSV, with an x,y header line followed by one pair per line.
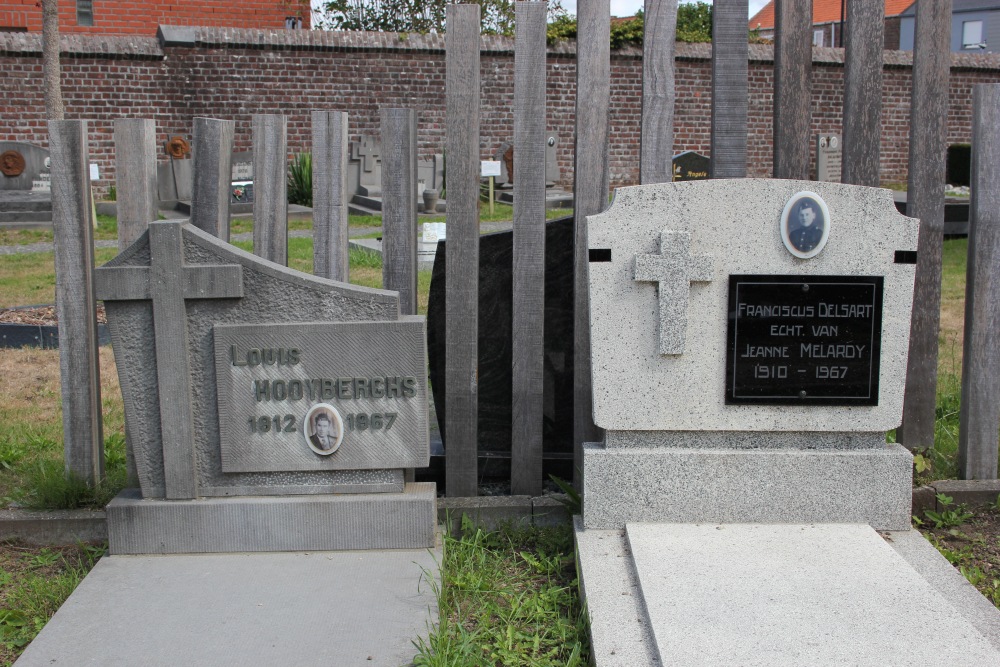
x,y
141,17
230,73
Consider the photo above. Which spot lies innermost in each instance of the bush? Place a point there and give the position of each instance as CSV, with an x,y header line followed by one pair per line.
x,y
300,180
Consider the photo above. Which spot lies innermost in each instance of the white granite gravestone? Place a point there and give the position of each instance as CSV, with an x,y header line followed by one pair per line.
x,y
736,379
266,409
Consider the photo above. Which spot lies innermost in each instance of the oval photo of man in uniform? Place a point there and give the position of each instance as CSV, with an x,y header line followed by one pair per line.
x,y
805,224
324,429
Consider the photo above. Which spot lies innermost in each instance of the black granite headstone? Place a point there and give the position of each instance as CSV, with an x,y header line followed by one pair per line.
x,y
690,166
495,322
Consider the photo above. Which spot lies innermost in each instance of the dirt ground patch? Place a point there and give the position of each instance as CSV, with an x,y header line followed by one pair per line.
x,y
972,545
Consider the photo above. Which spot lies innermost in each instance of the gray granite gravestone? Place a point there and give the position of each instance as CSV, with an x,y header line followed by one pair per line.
x,y
829,157
368,153
749,343
24,167
226,362
724,354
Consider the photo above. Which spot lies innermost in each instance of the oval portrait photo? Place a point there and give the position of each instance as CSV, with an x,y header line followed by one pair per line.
x,y
324,429
805,224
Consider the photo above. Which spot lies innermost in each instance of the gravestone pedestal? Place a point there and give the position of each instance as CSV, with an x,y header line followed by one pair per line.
x,y
748,347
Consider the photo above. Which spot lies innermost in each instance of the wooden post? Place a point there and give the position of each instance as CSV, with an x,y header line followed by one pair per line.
x,y
979,418
590,196
79,367
792,87
330,198
864,41
730,56
656,147
135,177
270,187
527,349
462,288
925,200
399,206
213,175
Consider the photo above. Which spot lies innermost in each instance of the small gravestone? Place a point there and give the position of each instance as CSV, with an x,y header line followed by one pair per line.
x,y
505,155
266,409
241,190
174,176
691,166
368,153
829,157
24,167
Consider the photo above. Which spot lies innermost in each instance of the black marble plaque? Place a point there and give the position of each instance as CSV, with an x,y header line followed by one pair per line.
x,y
691,166
804,340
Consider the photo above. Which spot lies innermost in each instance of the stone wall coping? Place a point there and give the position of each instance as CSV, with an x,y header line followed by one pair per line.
x,y
168,37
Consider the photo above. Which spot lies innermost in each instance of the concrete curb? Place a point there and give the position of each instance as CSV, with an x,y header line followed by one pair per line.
x,y
58,527
488,512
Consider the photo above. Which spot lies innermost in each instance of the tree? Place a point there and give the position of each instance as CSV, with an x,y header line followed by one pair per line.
x,y
54,109
420,16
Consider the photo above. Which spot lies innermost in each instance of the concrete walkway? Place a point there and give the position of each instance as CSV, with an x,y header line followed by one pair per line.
x,y
343,608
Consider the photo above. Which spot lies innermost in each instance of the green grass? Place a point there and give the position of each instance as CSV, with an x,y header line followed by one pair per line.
x,y
508,597
34,582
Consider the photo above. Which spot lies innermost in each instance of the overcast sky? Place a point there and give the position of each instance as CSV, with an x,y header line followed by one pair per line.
x,y
627,7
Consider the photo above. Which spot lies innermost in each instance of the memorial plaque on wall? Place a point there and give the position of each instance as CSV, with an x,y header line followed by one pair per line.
x,y
804,340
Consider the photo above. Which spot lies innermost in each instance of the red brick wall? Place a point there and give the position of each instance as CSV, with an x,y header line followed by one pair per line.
x,y
141,17
236,73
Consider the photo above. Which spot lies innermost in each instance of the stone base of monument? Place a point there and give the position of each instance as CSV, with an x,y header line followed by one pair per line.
x,y
747,485
316,608
273,523
791,594
23,208
554,198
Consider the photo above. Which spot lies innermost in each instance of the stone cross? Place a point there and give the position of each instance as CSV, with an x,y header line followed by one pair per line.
x,y
168,282
673,270
368,152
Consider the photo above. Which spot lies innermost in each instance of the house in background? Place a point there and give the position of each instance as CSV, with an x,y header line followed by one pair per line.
x,y
128,17
975,27
828,21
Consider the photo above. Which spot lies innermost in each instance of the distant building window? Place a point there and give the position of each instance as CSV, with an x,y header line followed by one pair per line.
x,y
972,35
818,37
293,22
85,12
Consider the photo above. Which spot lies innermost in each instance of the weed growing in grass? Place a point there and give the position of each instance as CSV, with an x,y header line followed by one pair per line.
x,y
948,517
508,598
364,258
51,488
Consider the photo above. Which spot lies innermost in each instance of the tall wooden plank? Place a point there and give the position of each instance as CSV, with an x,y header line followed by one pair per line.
x,y
792,87
527,350
730,58
399,205
213,174
135,177
462,288
656,148
864,40
925,200
330,199
270,187
590,196
79,368
979,419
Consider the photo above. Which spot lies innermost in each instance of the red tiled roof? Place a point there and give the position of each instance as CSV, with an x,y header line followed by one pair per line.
x,y
824,11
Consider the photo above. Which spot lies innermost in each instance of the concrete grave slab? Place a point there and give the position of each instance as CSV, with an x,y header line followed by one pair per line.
x,y
317,608
734,227
793,595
